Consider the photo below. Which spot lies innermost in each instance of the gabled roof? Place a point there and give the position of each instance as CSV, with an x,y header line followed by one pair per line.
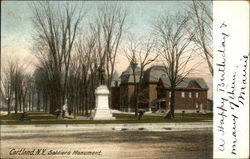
x,y
187,83
128,77
154,73
116,80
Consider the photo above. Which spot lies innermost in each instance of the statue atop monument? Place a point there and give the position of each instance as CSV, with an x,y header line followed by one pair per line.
x,y
101,75
102,111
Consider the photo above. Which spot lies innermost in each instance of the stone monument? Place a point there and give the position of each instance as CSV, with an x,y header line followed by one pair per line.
x,y
102,111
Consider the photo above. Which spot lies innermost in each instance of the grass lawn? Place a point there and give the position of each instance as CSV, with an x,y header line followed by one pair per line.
x,y
30,115
199,115
120,118
41,116
11,117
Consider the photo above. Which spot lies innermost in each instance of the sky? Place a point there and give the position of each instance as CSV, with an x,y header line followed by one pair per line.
x,y
17,28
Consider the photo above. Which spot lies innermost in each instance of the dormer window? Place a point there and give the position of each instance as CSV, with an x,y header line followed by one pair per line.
x,y
163,76
190,94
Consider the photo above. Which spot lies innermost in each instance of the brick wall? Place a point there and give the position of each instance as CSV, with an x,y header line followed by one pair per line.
x,y
131,90
152,93
188,99
127,97
115,98
123,99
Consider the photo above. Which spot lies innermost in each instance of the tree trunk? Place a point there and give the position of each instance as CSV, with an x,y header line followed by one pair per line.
x,y
8,107
20,103
135,95
32,102
29,101
45,103
172,103
38,101
170,114
16,101
24,105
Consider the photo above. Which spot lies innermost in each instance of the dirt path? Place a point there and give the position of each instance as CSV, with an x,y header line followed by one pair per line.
x,y
112,145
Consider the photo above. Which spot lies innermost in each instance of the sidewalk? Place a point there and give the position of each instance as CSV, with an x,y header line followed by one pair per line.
x,y
7,130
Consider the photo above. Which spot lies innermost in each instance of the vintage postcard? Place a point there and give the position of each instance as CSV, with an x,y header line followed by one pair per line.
x,y
231,82
124,79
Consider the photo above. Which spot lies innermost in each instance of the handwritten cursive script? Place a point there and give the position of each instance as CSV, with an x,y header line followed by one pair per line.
x,y
231,87
221,87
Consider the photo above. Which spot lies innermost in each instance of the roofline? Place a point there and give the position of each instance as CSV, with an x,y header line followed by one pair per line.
x,y
148,82
188,89
129,83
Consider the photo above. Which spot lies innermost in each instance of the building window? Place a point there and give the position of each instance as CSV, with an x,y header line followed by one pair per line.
x,y
183,94
196,94
169,94
190,94
196,105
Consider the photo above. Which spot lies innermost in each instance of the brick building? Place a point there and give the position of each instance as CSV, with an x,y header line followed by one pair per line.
x,y
191,94
127,87
115,92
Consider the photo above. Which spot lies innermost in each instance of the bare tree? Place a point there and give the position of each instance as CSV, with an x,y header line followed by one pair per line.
x,y
176,52
8,81
15,84
110,26
26,89
41,87
140,53
84,72
202,20
56,30
22,80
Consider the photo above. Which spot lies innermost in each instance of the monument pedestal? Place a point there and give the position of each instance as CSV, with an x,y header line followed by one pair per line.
x,y
102,111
